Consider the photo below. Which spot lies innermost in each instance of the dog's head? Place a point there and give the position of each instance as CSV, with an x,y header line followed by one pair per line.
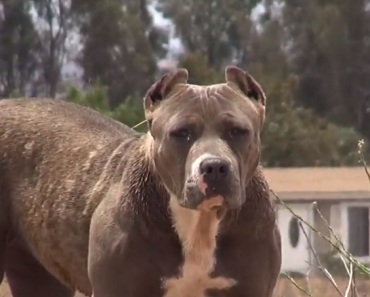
x,y
205,140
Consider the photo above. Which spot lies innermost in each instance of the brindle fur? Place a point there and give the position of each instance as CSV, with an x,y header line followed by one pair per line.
x,y
64,168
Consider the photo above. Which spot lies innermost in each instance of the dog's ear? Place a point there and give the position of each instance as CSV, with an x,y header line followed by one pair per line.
x,y
161,89
245,83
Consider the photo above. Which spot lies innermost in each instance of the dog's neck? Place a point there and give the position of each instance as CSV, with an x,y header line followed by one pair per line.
x,y
197,231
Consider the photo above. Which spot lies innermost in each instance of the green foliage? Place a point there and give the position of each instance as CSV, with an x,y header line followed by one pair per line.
x,y
129,114
96,98
296,137
120,46
332,262
15,94
199,70
328,52
291,137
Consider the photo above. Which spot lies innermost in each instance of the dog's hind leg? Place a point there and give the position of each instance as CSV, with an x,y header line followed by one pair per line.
x,y
2,251
3,238
28,278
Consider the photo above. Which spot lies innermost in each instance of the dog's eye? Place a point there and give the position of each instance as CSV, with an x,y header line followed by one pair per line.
x,y
182,133
237,131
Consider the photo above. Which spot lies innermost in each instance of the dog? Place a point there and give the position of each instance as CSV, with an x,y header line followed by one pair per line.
x,y
89,205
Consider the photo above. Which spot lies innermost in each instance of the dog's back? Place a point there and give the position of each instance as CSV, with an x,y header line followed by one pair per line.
x,y
57,116
52,152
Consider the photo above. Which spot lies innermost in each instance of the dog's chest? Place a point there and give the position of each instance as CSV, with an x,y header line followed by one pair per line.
x,y
194,280
197,233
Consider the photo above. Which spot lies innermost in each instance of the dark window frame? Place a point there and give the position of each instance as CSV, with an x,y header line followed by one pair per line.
x,y
358,219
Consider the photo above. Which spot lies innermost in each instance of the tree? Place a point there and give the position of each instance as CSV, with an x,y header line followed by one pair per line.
x,y
296,137
329,50
268,54
55,22
120,46
218,30
19,46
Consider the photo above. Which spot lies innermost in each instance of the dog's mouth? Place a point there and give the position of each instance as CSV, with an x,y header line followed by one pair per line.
x,y
198,195
202,203
212,204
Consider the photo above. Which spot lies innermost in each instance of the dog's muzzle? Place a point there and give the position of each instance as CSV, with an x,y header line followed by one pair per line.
x,y
210,186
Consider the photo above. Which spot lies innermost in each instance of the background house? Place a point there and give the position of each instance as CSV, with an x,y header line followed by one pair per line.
x,y
343,197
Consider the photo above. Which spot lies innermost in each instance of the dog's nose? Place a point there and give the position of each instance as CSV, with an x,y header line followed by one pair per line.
x,y
214,169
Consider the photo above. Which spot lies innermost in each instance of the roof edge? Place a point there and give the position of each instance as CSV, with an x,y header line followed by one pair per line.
x,y
319,196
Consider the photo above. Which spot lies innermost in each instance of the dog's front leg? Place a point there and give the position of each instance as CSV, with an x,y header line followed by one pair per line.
x,y
117,254
106,253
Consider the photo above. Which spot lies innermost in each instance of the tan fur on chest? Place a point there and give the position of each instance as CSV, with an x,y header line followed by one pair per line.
x,y
197,231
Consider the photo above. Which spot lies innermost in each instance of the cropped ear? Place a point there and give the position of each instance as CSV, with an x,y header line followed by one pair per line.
x,y
245,83
160,90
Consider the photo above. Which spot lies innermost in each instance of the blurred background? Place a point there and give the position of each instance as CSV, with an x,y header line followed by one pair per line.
x,y
312,57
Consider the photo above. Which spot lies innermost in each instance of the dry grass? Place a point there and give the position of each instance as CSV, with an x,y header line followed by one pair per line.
x,y
5,291
320,287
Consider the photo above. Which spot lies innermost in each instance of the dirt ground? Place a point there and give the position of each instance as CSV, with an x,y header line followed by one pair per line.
x,y
319,288
5,292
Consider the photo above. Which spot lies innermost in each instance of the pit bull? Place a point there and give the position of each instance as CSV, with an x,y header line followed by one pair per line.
x,y
87,204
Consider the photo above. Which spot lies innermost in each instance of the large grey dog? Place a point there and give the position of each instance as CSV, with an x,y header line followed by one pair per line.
x,y
89,205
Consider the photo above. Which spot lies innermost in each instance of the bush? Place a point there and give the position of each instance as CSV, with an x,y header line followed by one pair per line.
x,y
296,137
96,98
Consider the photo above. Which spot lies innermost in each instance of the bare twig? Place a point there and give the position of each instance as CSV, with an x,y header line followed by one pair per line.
x,y
319,266
362,157
297,285
350,273
139,124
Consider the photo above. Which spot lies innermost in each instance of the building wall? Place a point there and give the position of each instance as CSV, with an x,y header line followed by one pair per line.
x,y
296,255
335,213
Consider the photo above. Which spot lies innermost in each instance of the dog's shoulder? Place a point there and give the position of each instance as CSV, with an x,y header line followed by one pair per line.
x,y
145,195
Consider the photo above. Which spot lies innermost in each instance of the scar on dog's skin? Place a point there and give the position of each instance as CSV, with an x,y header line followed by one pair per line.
x,y
197,231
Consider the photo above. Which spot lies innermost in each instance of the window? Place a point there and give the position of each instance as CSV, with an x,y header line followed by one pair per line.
x,y
358,231
276,206
294,231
